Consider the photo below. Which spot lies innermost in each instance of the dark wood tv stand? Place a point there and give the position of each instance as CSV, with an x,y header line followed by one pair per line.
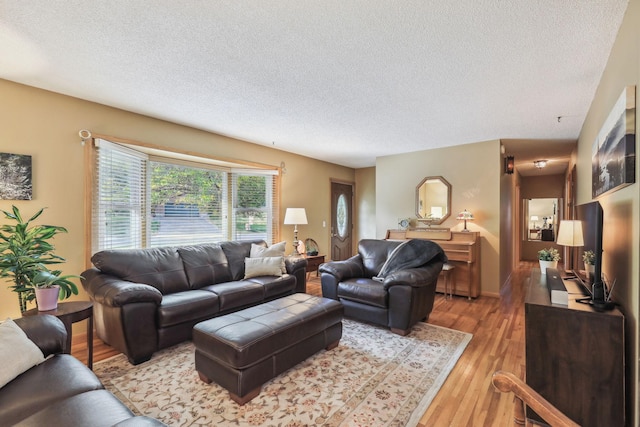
x,y
574,356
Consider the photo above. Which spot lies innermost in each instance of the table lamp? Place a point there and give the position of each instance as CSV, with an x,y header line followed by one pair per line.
x,y
465,216
570,234
295,216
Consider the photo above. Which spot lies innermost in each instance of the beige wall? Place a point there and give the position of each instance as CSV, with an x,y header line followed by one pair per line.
x,y
621,208
474,172
45,125
508,232
365,216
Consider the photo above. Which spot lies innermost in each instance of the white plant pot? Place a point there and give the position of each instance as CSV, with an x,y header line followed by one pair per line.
x,y
589,268
547,264
47,298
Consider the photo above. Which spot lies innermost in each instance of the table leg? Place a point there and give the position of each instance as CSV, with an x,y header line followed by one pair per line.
x,y
90,341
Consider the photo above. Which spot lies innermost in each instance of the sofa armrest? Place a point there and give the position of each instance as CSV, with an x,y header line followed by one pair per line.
x,y
114,292
294,263
415,277
46,331
343,270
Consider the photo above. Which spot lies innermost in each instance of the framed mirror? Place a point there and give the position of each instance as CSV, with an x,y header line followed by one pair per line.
x,y
433,200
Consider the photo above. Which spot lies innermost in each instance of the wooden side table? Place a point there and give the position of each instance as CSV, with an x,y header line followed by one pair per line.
x,y
313,262
69,313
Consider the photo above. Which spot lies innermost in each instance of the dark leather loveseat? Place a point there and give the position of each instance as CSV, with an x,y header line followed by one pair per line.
x,y
61,391
389,283
148,299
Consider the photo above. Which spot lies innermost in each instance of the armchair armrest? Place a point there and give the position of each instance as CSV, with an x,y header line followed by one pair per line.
x,y
114,292
415,277
46,331
343,270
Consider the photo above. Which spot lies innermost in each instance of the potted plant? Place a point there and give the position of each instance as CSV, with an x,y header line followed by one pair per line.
x,y
589,258
548,259
25,253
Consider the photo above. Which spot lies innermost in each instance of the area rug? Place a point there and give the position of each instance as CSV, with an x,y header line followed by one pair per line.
x,y
373,378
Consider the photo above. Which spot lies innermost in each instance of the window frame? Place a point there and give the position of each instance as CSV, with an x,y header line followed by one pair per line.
x,y
179,157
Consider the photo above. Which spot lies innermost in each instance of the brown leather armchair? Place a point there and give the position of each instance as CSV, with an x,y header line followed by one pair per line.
x,y
390,283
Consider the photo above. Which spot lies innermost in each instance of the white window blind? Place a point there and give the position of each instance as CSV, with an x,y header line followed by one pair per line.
x,y
147,200
119,196
255,207
187,204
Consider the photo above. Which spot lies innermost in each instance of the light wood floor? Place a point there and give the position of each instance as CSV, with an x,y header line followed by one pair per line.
x,y
467,398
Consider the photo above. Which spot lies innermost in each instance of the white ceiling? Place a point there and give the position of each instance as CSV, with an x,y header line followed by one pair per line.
x,y
338,80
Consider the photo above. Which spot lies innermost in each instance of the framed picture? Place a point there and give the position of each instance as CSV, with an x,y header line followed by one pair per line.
x,y
613,164
15,177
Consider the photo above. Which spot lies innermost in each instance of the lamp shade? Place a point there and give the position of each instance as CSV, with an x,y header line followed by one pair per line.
x,y
534,218
465,215
295,216
570,233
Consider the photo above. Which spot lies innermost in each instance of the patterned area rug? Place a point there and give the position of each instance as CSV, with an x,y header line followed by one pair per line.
x,y
373,378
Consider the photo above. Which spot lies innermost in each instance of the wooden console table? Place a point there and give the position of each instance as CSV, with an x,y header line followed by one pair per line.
x,y
463,251
574,356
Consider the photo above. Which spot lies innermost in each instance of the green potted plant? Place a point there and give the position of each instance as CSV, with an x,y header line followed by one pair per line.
x,y
548,258
25,253
589,258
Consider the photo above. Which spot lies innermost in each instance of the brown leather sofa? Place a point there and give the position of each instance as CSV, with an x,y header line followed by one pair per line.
x,y
148,299
61,391
399,299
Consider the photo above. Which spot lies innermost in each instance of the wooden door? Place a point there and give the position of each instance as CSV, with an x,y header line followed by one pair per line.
x,y
341,220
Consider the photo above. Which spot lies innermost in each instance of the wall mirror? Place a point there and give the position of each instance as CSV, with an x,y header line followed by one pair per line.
x,y
541,219
433,200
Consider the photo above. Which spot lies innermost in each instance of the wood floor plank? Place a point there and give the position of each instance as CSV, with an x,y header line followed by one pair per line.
x,y
467,397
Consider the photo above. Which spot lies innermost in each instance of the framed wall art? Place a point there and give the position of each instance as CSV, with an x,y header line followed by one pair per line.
x,y
613,164
15,177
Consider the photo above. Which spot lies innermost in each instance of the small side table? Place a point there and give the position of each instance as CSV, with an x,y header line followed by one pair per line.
x,y
72,312
313,262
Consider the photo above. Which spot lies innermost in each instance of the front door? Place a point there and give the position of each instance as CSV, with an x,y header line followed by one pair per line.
x,y
341,220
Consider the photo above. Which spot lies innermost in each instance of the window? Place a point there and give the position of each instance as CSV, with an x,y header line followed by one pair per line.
x,y
142,199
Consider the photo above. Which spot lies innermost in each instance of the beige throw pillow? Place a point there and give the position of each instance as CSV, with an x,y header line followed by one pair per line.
x,y
17,352
262,266
275,250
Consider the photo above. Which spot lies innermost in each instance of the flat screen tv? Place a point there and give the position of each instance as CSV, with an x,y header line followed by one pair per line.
x,y
591,215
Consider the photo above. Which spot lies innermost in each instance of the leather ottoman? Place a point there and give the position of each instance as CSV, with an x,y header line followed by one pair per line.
x,y
243,350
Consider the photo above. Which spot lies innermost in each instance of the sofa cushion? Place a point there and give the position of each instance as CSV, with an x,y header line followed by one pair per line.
x,y
55,379
263,266
97,408
363,290
159,267
240,293
205,265
181,307
236,252
374,253
276,286
17,352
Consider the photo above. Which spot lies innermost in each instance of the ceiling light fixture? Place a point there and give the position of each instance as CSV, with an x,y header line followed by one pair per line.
x,y
540,163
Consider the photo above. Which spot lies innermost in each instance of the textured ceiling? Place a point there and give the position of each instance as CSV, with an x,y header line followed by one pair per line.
x,y
337,80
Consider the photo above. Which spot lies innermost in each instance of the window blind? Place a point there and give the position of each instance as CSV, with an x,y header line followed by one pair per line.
x,y
147,200
255,205
119,194
187,204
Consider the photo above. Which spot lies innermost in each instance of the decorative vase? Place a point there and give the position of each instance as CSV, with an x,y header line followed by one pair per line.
x,y
547,264
47,298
